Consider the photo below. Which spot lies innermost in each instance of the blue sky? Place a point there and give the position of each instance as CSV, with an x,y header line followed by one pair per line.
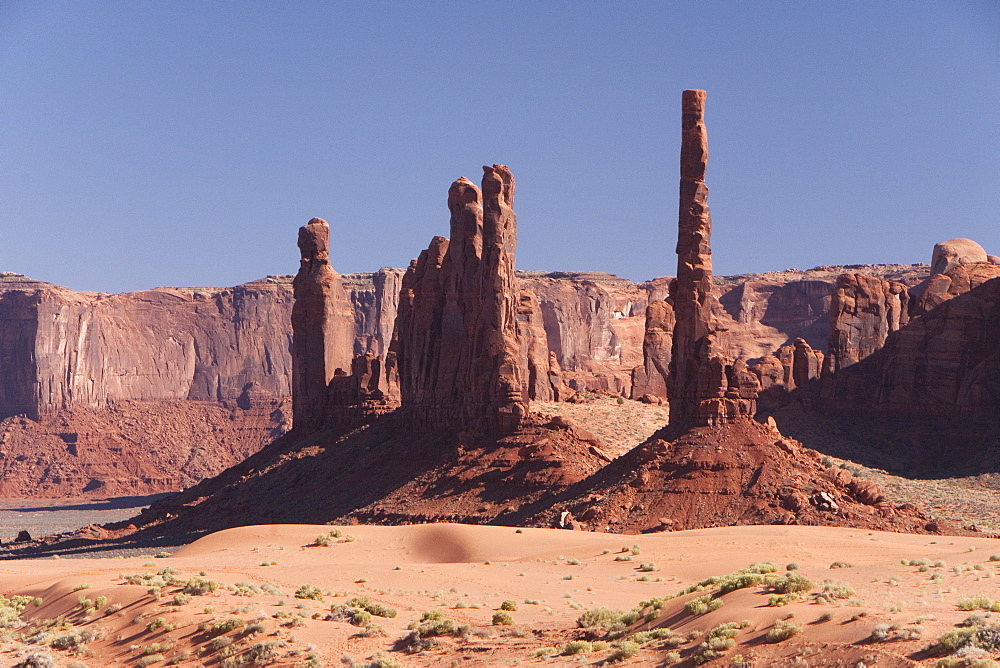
x,y
183,143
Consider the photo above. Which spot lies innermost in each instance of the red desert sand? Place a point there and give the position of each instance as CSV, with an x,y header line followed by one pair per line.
x,y
428,595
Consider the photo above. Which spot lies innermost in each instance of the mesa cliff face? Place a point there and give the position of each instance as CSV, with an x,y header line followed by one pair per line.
x,y
63,348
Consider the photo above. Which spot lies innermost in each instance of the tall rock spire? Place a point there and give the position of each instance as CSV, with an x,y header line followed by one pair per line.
x,y
456,350
322,328
705,387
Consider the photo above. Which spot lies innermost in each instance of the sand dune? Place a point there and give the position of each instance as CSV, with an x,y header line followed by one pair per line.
x,y
466,572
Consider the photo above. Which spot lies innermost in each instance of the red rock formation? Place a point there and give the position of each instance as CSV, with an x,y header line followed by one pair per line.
x,y
736,472
950,254
594,324
456,347
322,328
135,447
713,464
958,280
704,387
651,377
863,312
540,367
61,349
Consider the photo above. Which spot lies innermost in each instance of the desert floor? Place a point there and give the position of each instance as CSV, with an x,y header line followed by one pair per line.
x,y
88,613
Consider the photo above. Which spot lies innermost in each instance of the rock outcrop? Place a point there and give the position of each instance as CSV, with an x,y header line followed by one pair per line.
x,y
61,349
456,345
134,448
650,379
704,385
950,254
322,328
594,324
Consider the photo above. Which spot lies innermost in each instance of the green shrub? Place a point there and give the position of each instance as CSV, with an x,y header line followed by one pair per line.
x,y
371,607
791,583
625,649
224,626
308,591
509,605
703,604
576,647
156,624
782,630
599,617
502,618
199,586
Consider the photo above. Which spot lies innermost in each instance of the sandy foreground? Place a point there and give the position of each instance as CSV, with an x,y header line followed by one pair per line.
x,y
465,573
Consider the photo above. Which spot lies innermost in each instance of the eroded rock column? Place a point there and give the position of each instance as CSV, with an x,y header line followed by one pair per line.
x,y
322,328
705,387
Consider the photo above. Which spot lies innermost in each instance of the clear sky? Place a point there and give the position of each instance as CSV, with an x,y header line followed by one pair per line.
x,y
183,143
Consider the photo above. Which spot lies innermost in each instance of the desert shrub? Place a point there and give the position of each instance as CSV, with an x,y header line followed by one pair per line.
x,y
36,660
309,591
261,654
219,643
669,637
791,583
879,633
371,607
576,647
777,601
380,662
717,642
149,660
969,661
11,609
325,539
224,626
432,623
625,649
509,605
703,604
647,567
841,564
833,589
199,586
76,640
600,617
156,624
782,630
979,602
972,620
502,618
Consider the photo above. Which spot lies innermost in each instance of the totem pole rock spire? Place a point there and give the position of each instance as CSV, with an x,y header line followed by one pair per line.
x,y
704,386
